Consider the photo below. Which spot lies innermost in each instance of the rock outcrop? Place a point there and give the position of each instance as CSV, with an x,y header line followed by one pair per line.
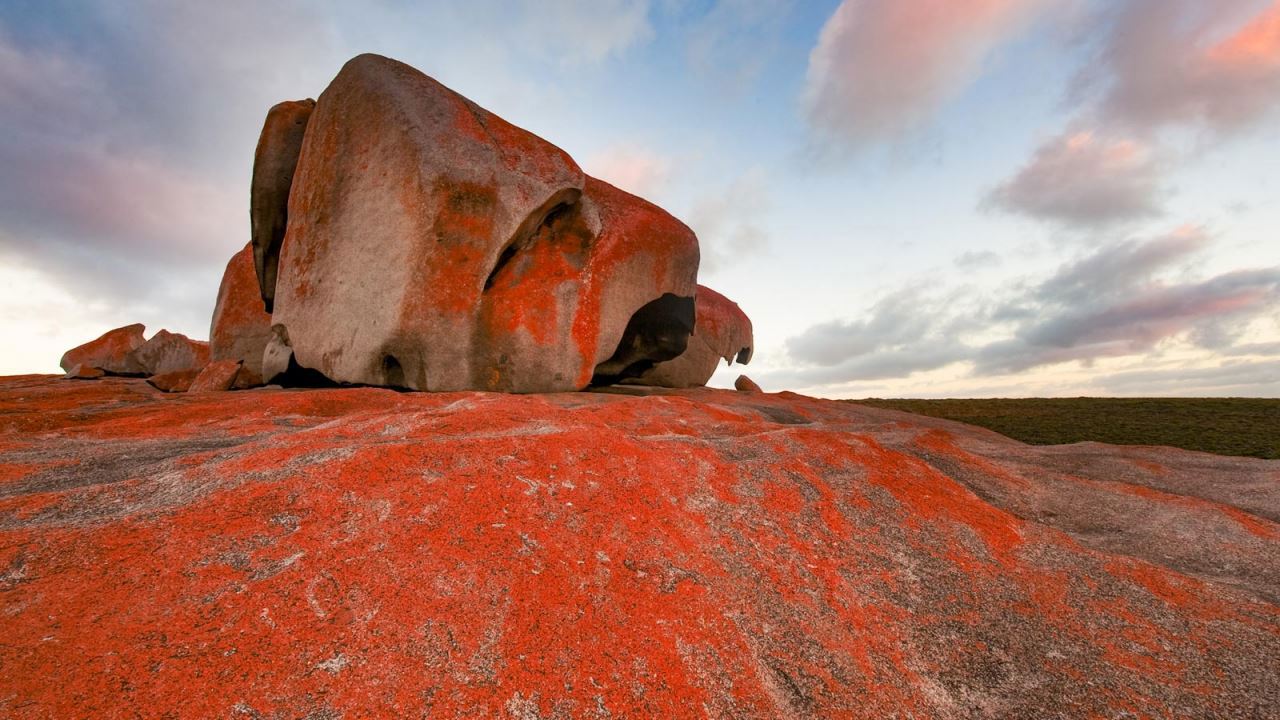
x,y
113,353
274,162
241,325
431,245
168,352
174,381
84,372
403,236
366,553
217,376
722,332
746,384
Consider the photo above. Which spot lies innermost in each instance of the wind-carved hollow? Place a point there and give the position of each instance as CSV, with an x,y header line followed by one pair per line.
x,y
548,214
743,357
392,372
657,332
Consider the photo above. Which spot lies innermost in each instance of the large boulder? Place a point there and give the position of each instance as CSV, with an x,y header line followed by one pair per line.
x,y
168,352
112,353
722,332
274,162
432,245
241,325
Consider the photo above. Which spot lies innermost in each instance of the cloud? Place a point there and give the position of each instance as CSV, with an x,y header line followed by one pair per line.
x,y
1121,300
1115,270
1083,180
884,66
729,223
580,31
1162,64
735,39
1189,63
1247,378
636,169
977,259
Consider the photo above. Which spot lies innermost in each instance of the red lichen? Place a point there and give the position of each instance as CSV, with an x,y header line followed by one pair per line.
x,y
368,553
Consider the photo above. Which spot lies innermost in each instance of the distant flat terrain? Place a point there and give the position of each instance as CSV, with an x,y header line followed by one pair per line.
x,y
1226,426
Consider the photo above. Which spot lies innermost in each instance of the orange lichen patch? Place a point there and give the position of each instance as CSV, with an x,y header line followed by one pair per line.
x,y
932,495
1256,46
362,552
1151,467
942,441
1265,529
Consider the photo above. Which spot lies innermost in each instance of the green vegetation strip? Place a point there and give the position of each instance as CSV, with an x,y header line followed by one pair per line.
x,y
1227,426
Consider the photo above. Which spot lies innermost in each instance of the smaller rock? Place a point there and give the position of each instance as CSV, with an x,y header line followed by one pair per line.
x,y
168,352
113,352
217,376
241,325
174,382
746,384
84,372
246,379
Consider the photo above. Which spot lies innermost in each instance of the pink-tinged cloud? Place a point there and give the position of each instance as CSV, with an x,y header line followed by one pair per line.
x,y
635,169
1191,63
883,66
1083,179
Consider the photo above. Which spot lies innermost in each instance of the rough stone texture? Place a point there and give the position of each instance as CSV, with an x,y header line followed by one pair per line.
x,y
723,331
112,352
217,376
746,384
168,352
175,381
84,372
366,553
245,379
241,325
432,245
274,163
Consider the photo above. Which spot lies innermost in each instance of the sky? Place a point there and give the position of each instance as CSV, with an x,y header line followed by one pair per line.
x,y
910,198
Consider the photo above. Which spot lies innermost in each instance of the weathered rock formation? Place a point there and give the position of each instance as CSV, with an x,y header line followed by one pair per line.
x,y
723,332
113,352
126,351
241,325
402,236
217,376
365,553
168,352
174,381
84,372
432,245
274,163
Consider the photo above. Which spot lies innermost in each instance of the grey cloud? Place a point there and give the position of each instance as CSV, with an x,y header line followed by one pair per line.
x,y
1079,179
1253,379
1120,267
1112,303
977,259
